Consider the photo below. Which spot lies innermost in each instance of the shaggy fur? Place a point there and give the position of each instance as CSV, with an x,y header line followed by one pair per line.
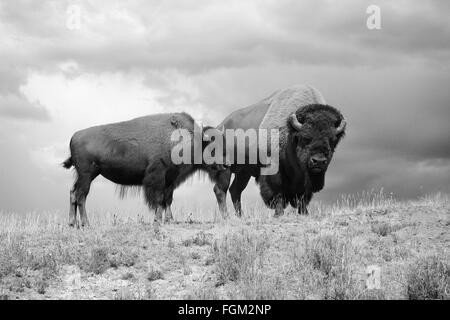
x,y
296,180
283,103
295,183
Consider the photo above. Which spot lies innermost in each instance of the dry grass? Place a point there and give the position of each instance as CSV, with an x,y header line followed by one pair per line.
x,y
429,279
320,256
239,255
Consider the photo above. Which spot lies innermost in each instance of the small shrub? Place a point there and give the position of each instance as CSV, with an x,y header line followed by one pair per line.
x,y
263,287
331,256
127,276
382,228
45,261
41,286
204,292
13,255
342,285
326,253
98,262
239,255
103,258
18,284
195,255
187,270
209,260
429,279
154,274
125,258
200,239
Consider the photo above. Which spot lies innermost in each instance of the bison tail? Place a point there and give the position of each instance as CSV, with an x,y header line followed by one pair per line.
x,y
68,163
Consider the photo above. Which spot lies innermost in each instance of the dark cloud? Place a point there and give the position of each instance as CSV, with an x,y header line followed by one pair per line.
x,y
198,36
394,175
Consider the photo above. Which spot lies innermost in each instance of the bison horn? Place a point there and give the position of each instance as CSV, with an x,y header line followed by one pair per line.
x,y
341,127
294,122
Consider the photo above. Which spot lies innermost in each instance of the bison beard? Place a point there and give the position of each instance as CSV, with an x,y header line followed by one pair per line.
x,y
277,193
314,181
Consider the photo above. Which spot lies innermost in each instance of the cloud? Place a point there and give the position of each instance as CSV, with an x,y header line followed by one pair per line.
x,y
196,36
16,106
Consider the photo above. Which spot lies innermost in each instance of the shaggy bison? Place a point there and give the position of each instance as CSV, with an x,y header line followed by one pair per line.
x,y
308,138
134,153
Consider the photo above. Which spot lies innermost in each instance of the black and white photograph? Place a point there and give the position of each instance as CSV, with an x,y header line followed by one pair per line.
x,y
241,150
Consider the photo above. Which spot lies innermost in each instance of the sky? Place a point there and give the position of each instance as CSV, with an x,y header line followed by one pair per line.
x,y
120,60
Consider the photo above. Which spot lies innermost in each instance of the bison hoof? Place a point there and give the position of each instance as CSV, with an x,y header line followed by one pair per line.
x,y
73,224
303,212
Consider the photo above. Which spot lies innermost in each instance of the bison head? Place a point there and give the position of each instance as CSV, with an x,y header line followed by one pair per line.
x,y
316,131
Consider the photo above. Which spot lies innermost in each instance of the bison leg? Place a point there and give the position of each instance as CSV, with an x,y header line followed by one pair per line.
x,y
279,207
155,200
158,214
303,203
239,183
168,197
168,215
86,173
73,209
220,190
154,188
82,187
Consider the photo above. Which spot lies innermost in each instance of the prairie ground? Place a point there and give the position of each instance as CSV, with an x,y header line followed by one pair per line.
x,y
324,255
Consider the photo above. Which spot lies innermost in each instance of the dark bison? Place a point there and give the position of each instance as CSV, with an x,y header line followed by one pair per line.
x,y
312,133
134,153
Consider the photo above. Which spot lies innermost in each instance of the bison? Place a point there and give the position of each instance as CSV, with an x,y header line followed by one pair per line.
x,y
134,153
312,133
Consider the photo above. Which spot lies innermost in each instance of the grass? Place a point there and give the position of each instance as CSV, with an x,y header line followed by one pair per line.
x,y
326,262
154,274
429,279
240,258
200,239
320,256
239,255
328,254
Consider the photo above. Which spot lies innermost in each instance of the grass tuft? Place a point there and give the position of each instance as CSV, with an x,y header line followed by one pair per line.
x,y
429,279
154,274
200,239
239,255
